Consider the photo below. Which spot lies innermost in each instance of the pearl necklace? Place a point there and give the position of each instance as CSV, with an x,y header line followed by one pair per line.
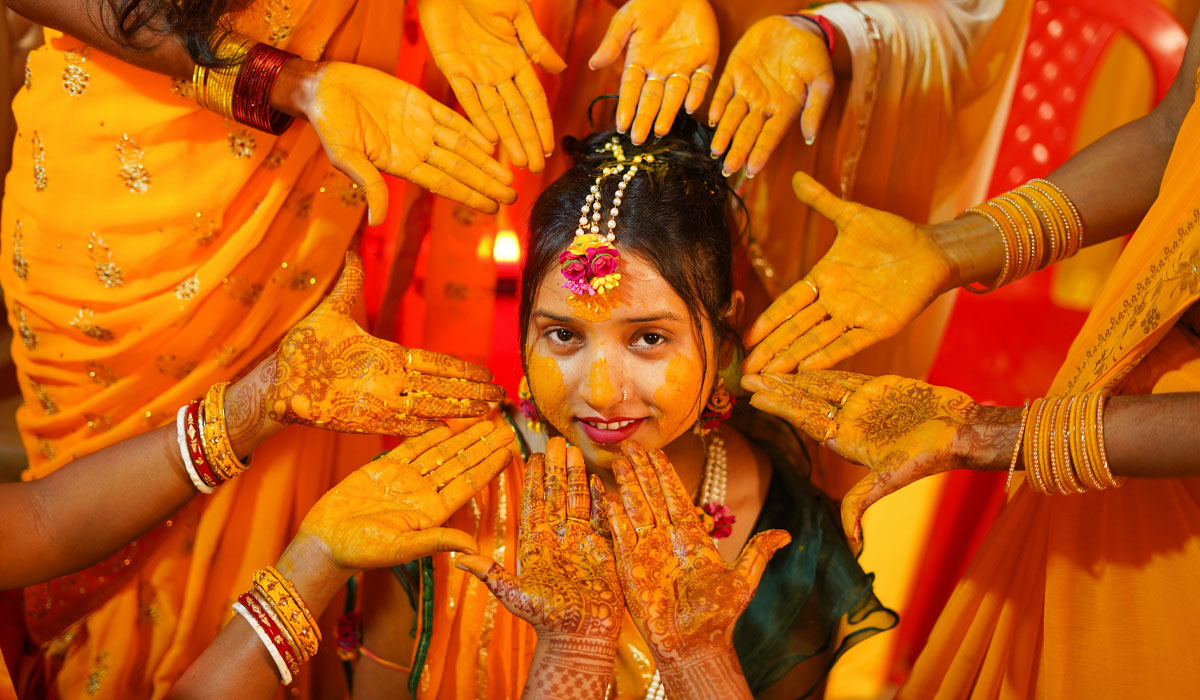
x,y
712,490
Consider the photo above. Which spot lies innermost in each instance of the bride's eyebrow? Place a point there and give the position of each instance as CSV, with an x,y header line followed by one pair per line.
x,y
546,314
665,316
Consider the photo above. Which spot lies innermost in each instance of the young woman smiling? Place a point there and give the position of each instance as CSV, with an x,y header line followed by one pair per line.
x,y
625,376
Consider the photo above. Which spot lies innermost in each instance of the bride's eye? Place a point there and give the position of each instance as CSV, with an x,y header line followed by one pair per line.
x,y
561,336
649,340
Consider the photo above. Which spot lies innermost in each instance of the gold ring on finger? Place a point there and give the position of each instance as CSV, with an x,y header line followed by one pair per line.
x,y
581,521
679,75
634,65
845,397
640,530
813,287
703,71
652,79
830,433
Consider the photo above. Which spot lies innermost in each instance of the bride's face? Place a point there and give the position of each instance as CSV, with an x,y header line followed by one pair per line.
x,y
637,375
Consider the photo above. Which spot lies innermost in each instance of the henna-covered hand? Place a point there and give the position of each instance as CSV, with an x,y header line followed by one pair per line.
x,y
901,429
567,587
671,51
880,273
390,511
486,49
329,373
779,70
684,598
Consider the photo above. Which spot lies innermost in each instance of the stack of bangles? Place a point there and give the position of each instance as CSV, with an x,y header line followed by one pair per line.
x,y
1039,226
1062,440
208,455
282,621
240,86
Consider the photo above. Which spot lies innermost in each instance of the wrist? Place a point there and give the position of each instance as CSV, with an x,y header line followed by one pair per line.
x,y
986,443
971,246
306,562
708,675
247,415
296,87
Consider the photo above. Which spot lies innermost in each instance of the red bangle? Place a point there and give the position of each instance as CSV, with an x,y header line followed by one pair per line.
x,y
195,445
822,23
282,643
252,90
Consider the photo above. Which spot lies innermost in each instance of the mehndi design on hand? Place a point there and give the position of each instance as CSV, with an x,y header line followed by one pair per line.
x,y
901,429
568,588
390,511
684,598
329,373
880,273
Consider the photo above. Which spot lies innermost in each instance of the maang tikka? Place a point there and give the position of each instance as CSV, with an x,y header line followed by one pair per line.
x,y
590,263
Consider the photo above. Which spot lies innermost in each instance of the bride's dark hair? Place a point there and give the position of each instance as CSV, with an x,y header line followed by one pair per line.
x,y
193,21
677,217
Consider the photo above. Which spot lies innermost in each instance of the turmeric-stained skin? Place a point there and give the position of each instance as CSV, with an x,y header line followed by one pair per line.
x,y
568,588
487,50
329,373
391,510
901,429
682,595
880,273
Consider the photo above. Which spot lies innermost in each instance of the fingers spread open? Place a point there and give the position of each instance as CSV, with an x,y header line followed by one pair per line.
x,y
735,112
797,297
413,447
743,140
633,501
678,500
447,449
808,414
853,342
435,363
579,501
522,119
772,133
814,194
534,42
468,97
533,493
720,100
774,349
464,486
531,89
496,110
627,100
448,119
647,109
673,96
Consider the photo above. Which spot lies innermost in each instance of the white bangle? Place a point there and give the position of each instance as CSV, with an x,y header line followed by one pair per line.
x,y
190,468
285,675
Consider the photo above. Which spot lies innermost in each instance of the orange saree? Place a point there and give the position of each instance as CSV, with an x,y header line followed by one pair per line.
x,y
151,249
1089,596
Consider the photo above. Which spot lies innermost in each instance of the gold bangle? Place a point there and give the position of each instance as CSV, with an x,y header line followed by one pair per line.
x,y
1062,202
214,84
1088,410
1056,226
1074,446
1097,438
217,447
1033,466
1069,469
1002,278
1015,233
1012,464
1047,444
1031,235
289,608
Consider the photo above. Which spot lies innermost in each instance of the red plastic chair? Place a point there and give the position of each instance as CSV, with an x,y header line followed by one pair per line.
x,y
1005,346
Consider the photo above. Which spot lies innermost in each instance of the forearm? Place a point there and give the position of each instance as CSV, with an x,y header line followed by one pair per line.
x,y
570,667
1145,436
715,677
237,664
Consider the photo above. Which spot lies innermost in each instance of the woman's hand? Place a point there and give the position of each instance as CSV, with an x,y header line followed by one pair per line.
x,y
671,52
390,511
683,596
901,429
778,70
568,587
486,49
329,373
880,273
369,121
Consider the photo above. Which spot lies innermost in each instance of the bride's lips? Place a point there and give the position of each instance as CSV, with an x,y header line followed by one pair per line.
x,y
607,430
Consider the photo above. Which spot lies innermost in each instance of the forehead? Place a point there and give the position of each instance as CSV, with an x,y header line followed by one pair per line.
x,y
643,293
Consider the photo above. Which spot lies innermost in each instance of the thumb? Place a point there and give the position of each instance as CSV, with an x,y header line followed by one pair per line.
x,y
425,543
499,581
814,194
359,169
534,42
856,502
815,105
619,30
349,286
757,552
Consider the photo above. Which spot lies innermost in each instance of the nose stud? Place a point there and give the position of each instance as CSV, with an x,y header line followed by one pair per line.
x,y
623,395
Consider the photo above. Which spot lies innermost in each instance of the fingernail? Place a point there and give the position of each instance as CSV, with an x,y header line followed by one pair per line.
x,y
714,155
725,173
809,140
711,124
750,175
547,154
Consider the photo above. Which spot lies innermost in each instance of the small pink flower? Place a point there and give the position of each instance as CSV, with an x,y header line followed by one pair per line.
x,y
575,270
604,263
723,519
580,287
349,631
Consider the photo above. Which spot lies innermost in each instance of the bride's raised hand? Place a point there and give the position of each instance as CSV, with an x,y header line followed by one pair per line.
x,y
329,373
486,49
779,70
901,429
671,51
391,510
684,598
371,122
880,273
567,587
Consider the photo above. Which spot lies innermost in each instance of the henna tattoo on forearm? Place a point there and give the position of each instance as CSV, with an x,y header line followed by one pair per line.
x,y
715,677
571,667
246,415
